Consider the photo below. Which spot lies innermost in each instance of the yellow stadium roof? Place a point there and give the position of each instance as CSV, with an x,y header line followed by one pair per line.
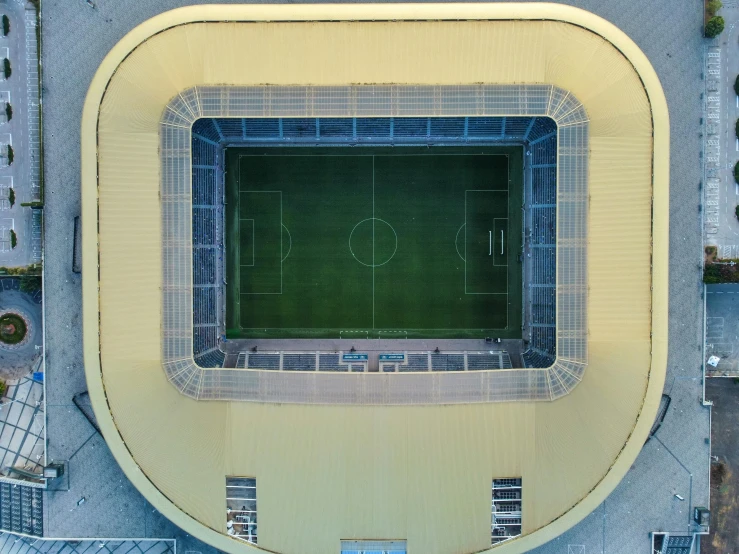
x,y
346,470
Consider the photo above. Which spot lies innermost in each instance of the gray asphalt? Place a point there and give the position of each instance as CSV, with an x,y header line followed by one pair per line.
x,y
722,328
722,225
20,39
670,35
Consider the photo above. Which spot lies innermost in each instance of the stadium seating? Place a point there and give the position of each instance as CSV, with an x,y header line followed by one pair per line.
x,y
207,139
537,134
536,358
204,130
262,361
410,127
204,306
205,193
204,154
491,360
211,358
542,306
544,226
299,362
416,362
331,362
447,362
373,128
485,127
340,127
204,266
294,128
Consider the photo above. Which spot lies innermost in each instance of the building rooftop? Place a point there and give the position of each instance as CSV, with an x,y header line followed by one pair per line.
x,y
570,453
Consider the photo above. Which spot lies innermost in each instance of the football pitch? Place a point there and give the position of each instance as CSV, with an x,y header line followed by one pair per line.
x,y
373,242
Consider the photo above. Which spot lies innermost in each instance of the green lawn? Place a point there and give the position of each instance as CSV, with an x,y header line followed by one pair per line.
x,y
373,241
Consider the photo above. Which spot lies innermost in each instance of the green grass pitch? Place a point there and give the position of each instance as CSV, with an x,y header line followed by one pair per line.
x,y
360,242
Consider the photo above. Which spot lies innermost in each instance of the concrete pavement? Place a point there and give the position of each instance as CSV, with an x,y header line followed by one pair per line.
x,y
722,329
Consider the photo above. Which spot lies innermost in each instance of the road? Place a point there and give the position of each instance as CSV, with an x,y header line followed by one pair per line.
x,y
21,90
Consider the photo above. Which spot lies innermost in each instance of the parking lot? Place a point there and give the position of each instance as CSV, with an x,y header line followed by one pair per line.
x,y
722,329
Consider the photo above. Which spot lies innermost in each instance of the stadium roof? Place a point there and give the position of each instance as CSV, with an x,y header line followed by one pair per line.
x,y
331,472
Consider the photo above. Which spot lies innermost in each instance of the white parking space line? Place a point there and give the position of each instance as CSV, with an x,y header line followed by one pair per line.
x,y
720,348
5,226
714,328
6,183
728,251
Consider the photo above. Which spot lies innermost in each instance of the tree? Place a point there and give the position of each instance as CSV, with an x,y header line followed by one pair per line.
x,y
714,27
711,275
736,85
736,211
713,6
9,111
736,172
30,284
11,155
13,239
11,197
737,128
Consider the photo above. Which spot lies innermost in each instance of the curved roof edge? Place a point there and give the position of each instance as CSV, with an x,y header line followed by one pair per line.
x,y
255,385
538,11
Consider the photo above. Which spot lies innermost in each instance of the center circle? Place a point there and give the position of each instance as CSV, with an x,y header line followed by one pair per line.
x,y
373,242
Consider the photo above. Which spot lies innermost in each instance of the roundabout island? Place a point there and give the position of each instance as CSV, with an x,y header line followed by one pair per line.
x,y
13,328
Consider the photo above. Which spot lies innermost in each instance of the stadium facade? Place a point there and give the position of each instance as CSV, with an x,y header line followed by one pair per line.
x,y
412,460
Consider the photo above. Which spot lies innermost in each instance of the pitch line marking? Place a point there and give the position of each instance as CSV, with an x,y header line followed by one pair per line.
x,y
253,246
289,236
281,226
465,241
456,241
505,263
373,219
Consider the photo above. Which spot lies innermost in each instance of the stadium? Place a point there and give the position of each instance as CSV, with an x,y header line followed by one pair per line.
x,y
375,278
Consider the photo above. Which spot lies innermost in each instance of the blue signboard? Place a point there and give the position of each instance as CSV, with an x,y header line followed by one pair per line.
x,y
354,357
392,357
